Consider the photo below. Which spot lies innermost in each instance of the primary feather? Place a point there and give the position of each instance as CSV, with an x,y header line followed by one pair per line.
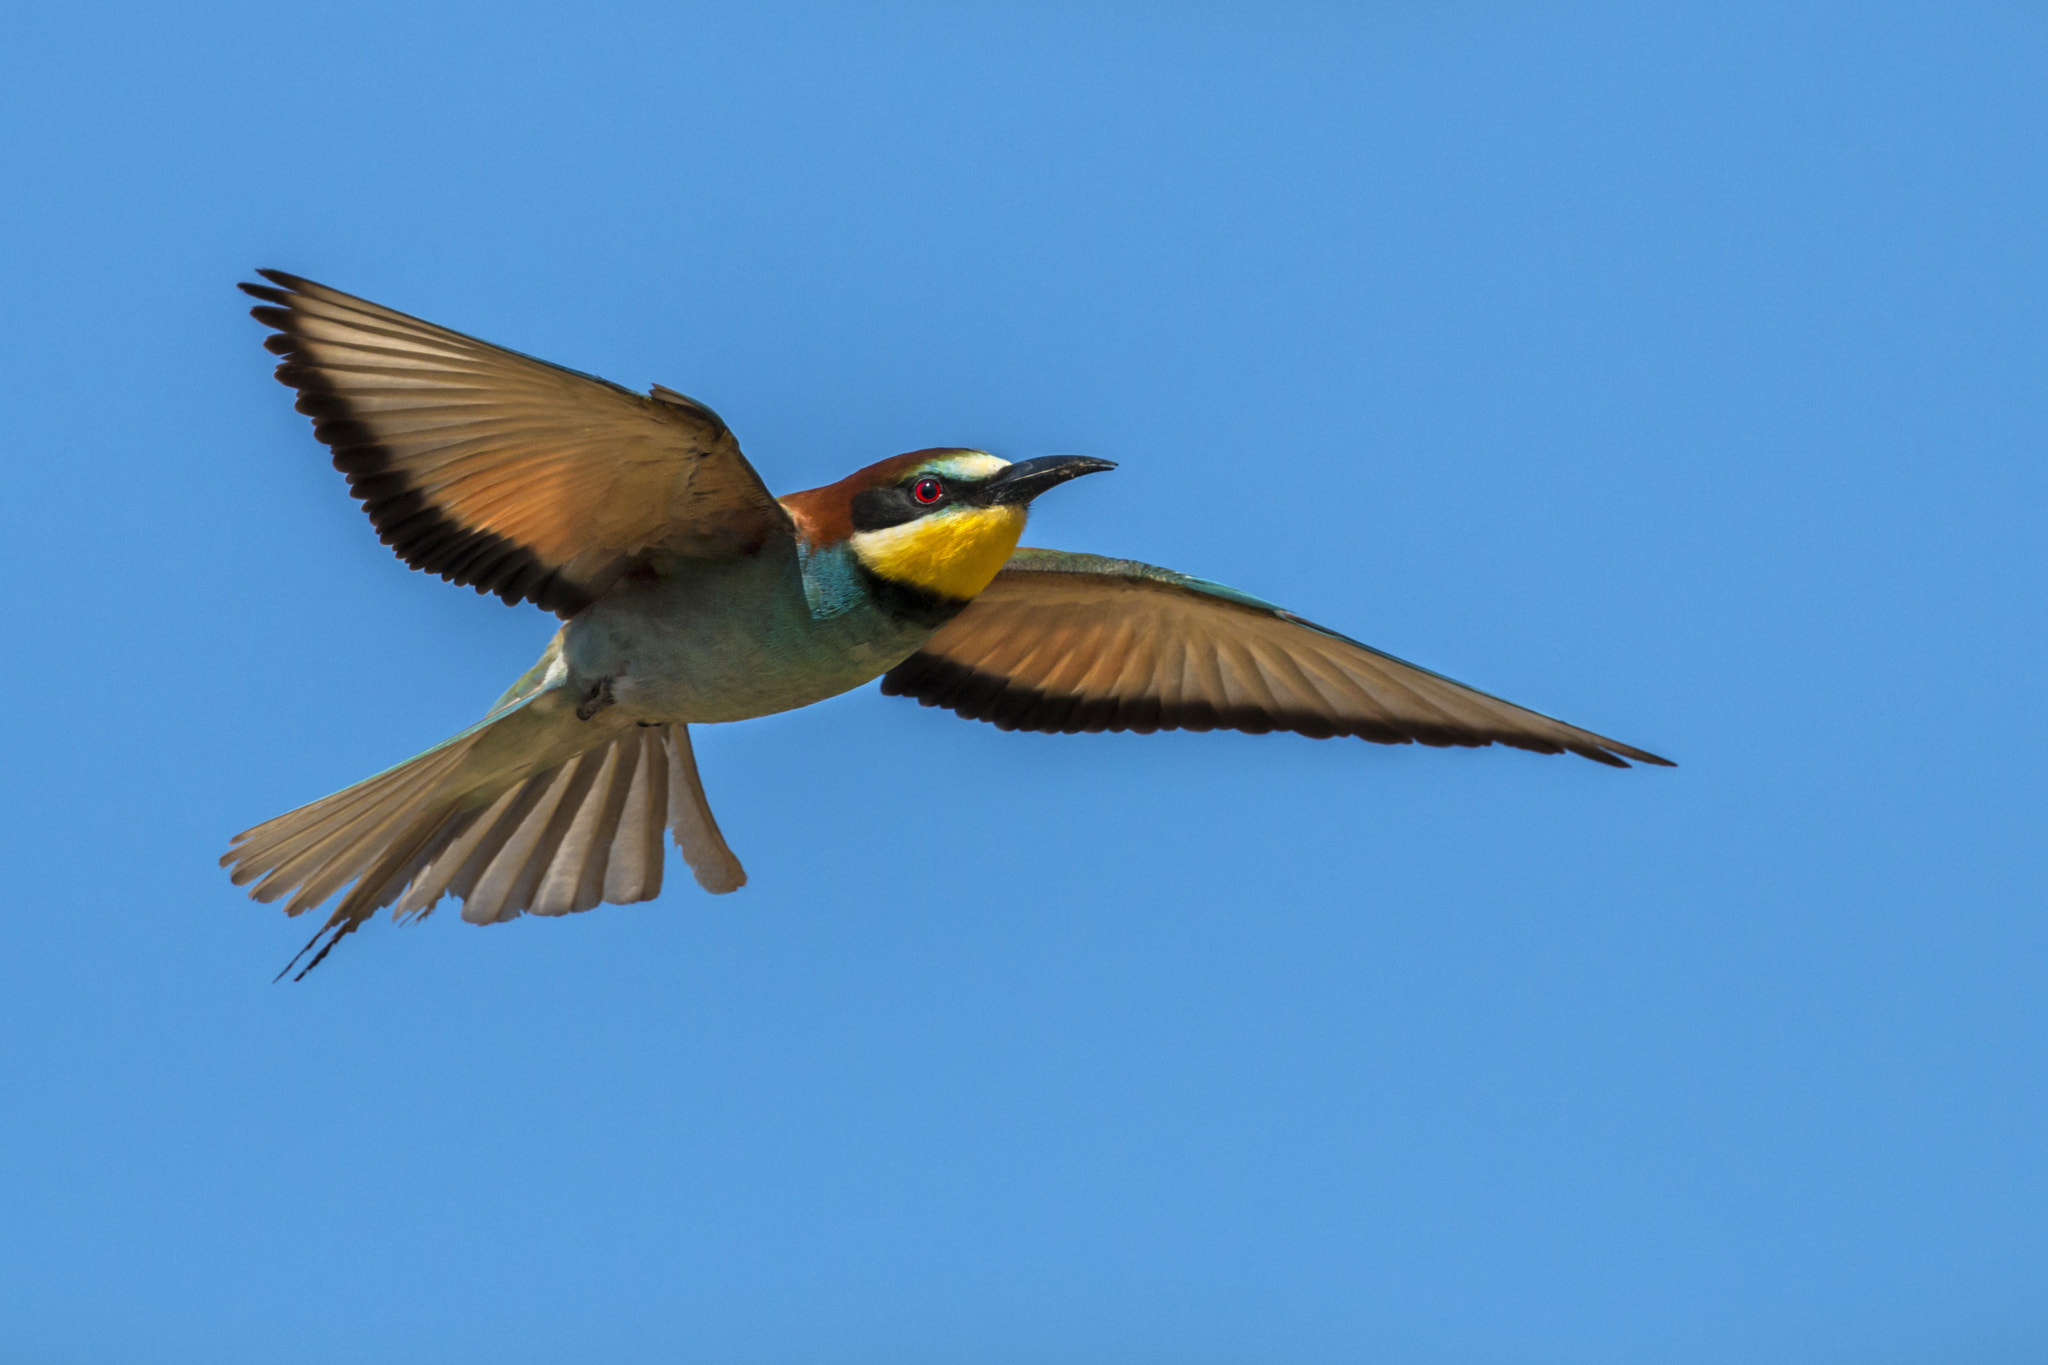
x,y
507,473
1063,643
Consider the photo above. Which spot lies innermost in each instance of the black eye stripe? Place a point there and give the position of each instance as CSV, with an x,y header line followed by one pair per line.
x,y
876,509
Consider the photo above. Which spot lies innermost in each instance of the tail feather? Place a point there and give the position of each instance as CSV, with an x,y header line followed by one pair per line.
x,y
333,933
633,863
510,883
284,851
326,865
283,835
575,880
585,830
466,836
704,848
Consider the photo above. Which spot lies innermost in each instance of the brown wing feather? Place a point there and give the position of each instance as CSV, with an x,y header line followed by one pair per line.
x,y
495,469
1065,643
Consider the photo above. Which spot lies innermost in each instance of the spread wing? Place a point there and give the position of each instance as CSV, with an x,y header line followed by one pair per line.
x,y
1069,642
495,469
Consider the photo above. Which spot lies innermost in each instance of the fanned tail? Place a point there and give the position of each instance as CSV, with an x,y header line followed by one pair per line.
x,y
505,838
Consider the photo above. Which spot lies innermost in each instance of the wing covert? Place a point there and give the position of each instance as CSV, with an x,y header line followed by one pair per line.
x,y
1062,643
497,470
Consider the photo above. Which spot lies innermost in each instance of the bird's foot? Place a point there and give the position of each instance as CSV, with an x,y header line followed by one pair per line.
x,y
596,699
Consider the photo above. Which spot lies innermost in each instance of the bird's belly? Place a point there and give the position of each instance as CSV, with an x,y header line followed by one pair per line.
x,y
729,641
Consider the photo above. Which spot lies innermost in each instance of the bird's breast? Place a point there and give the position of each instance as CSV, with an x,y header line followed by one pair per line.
x,y
719,640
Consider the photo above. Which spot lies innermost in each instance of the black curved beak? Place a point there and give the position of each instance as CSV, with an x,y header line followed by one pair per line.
x,y
1026,479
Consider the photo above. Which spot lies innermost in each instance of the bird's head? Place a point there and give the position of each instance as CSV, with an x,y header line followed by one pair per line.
x,y
940,523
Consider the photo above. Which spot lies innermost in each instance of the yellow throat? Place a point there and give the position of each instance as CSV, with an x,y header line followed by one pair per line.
x,y
955,553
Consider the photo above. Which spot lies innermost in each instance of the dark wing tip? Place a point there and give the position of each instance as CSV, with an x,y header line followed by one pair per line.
x,y
1613,753
420,535
966,691
934,680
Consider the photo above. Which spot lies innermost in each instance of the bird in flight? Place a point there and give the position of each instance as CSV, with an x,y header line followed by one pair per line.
x,y
690,594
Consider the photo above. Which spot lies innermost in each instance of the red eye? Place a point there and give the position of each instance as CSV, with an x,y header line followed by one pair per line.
x,y
927,490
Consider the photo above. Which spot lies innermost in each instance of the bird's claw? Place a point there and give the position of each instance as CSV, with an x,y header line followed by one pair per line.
x,y
596,699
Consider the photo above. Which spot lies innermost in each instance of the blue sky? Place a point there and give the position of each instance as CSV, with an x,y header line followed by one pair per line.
x,y
1674,369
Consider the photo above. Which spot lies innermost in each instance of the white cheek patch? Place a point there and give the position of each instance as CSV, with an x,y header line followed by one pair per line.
x,y
969,464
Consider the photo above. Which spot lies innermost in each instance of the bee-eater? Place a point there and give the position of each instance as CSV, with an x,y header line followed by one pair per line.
x,y
690,594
